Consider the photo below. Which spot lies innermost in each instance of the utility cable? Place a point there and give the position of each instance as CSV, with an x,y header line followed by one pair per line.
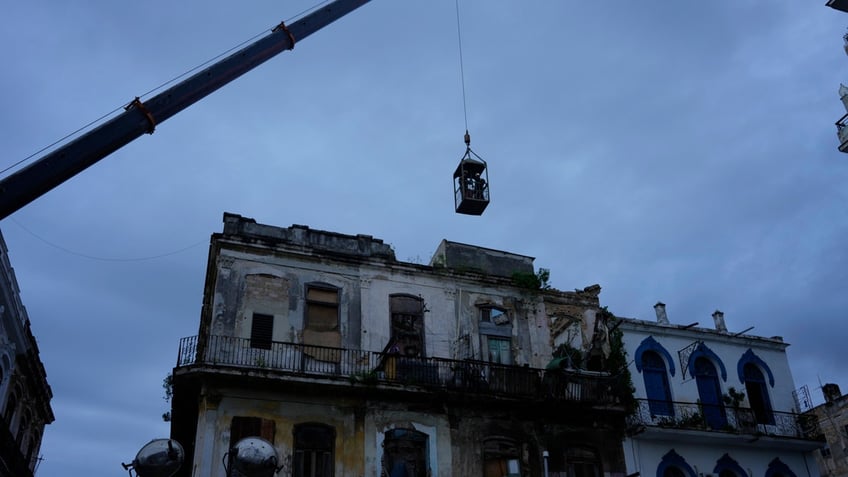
x,y
160,87
103,259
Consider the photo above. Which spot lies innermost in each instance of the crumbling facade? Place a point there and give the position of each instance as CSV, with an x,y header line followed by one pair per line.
x,y
24,393
713,403
353,363
832,418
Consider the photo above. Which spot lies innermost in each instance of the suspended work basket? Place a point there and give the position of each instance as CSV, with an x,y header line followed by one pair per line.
x,y
471,184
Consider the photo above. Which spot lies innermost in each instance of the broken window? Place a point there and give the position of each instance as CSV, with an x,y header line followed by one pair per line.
x,y
501,458
490,314
405,453
261,331
314,445
407,324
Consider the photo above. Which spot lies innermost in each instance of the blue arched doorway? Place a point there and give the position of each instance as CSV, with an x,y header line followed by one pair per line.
x,y
709,391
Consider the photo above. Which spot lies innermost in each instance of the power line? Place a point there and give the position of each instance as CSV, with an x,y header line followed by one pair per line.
x,y
104,259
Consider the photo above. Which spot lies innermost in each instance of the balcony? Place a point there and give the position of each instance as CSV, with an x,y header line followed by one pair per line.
x,y
685,416
342,366
842,133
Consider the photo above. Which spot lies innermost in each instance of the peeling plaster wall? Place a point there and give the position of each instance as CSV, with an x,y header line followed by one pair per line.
x,y
286,411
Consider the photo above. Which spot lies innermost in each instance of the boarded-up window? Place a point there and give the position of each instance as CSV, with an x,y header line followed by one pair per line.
x,y
407,315
261,331
322,308
313,450
243,426
321,323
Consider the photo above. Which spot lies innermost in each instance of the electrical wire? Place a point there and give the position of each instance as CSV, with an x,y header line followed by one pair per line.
x,y
103,259
158,88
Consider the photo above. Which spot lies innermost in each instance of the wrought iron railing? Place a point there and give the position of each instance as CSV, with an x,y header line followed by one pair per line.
x,y
718,418
371,368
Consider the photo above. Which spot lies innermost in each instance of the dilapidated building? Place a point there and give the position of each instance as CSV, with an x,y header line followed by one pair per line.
x,y
24,393
353,363
832,419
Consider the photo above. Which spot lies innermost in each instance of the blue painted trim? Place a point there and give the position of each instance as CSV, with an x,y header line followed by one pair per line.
x,y
727,463
750,357
777,467
673,459
650,344
704,351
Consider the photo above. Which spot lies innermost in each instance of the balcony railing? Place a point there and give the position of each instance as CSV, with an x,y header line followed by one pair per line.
x,y
717,418
375,368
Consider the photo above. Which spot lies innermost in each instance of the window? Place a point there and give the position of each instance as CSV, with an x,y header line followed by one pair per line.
x,y
709,391
261,331
322,308
23,427
11,404
656,384
314,445
494,315
582,462
30,454
405,453
407,324
499,350
321,323
501,458
242,427
825,451
495,335
755,385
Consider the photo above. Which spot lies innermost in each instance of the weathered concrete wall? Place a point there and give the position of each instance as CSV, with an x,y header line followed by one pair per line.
x,y
287,411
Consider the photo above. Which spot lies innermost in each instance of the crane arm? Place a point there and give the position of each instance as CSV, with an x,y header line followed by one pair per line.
x,y
54,168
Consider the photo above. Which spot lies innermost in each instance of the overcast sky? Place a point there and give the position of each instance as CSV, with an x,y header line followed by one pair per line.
x,y
681,152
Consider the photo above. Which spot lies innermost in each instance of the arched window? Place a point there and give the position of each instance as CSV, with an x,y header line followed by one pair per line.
x,y
656,384
583,462
673,465
776,468
755,385
501,456
709,391
11,406
31,452
314,446
726,466
405,453
23,427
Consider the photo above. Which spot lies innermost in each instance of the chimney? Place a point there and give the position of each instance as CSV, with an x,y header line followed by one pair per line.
x,y
831,392
662,318
718,317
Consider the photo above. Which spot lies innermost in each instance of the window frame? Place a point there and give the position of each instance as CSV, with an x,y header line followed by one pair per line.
x,y
299,450
311,302
261,331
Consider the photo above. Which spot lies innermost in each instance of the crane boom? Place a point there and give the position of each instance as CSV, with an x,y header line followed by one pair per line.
x,y
54,168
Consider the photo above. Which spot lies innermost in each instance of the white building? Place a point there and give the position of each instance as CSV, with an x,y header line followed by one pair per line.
x,y
713,403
